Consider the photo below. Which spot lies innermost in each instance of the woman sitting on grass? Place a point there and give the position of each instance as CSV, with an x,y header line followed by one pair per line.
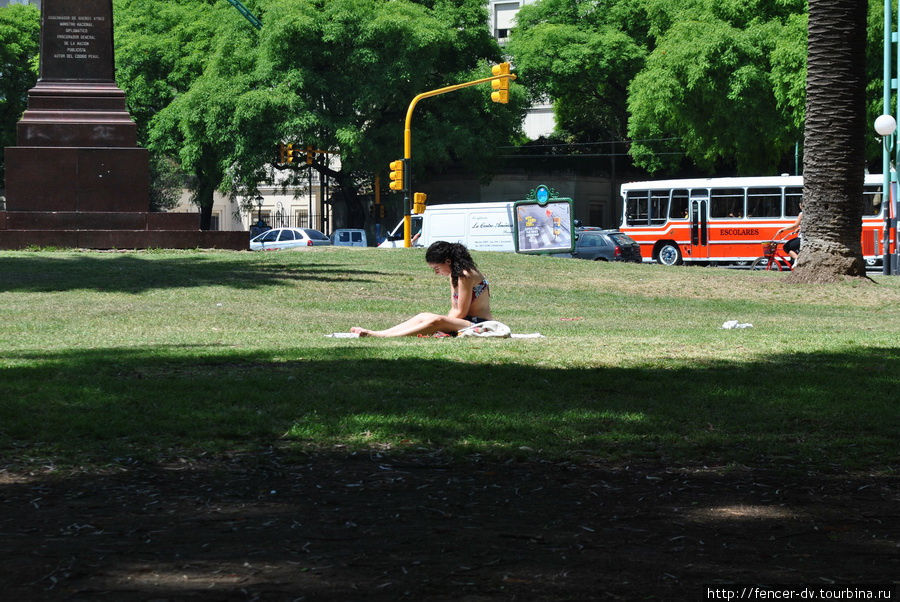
x,y
470,301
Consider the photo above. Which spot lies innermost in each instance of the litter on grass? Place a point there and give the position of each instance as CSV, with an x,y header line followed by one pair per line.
x,y
732,324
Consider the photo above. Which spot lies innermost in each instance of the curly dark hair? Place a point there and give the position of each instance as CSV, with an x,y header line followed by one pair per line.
x,y
458,254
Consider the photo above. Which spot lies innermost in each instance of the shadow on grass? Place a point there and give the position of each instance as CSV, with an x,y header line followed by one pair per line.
x,y
821,409
322,527
134,273
321,523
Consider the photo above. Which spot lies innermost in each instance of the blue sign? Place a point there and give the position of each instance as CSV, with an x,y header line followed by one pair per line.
x,y
542,193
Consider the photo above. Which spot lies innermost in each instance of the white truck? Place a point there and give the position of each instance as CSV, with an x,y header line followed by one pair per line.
x,y
479,226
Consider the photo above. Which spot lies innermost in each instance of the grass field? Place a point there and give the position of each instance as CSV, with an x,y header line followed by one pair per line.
x,y
106,357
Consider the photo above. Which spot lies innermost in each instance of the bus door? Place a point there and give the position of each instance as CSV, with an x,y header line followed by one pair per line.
x,y
699,248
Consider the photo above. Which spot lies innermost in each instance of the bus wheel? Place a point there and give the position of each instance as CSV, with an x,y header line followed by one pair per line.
x,y
762,263
669,254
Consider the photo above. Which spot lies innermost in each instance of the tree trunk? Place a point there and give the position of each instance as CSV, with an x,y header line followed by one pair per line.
x,y
206,207
834,142
208,178
355,211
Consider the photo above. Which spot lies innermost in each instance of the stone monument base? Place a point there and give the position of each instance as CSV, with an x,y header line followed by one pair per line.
x,y
112,230
47,178
77,177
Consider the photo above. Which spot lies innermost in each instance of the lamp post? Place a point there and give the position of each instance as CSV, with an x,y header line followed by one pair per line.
x,y
886,126
259,201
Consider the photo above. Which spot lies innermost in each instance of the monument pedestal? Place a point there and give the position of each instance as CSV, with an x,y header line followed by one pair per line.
x,y
52,178
76,177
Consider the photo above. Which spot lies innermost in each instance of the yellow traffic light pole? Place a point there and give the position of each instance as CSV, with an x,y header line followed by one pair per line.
x,y
407,138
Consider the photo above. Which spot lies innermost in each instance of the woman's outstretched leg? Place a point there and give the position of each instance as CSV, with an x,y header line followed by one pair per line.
x,y
424,323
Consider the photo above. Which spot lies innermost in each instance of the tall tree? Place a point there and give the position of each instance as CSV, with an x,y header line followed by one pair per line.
x,y
162,53
334,74
834,140
344,72
19,36
723,84
582,56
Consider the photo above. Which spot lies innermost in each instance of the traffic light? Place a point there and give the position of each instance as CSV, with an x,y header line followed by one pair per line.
x,y
309,155
419,199
289,154
282,154
397,174
500,86
296,155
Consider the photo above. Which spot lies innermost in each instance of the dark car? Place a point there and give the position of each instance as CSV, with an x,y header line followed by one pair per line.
x,y
604,245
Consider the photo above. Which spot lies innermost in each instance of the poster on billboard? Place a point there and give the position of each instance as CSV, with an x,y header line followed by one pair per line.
x,y
544,223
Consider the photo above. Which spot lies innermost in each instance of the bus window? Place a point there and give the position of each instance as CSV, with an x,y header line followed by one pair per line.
x,y
793,196
764,202
636,206
872,200
678,208
726,203
659,206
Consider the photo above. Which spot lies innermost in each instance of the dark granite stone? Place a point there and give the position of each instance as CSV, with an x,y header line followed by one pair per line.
x,y
77,41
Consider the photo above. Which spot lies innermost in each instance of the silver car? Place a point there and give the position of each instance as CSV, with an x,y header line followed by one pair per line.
x,y
288,238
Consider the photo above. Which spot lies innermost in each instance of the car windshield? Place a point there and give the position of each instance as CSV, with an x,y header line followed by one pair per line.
x,y
315,234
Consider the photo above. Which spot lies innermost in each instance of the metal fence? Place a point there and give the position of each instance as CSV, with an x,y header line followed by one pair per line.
x,y
298,220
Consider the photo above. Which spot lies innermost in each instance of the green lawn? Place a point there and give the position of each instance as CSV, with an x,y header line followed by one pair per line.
x,y
109,356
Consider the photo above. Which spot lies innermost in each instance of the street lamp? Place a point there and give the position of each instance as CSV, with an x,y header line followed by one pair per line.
x,y
885,126
259,201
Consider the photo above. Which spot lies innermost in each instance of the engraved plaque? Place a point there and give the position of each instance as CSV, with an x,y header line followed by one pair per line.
x,y
77,40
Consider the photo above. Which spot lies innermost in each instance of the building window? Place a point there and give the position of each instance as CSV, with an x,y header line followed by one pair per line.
x,y
215,221
504,19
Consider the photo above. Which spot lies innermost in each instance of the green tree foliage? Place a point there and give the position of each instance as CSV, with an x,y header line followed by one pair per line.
x,y
725,77
345,71
582,55
720,82
19,38
161,49
217,94
162,52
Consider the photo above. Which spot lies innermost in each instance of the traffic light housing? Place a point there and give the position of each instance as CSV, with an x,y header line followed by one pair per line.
x,y
419,199
500,86
281,158
289,154
310,151
398,174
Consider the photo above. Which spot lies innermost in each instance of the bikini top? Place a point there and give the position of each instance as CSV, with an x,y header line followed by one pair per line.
x,y
477,289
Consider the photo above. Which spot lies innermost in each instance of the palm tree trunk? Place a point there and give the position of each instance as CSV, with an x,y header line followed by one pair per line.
x,y
834,142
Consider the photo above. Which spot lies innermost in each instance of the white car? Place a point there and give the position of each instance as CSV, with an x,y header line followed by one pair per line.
x,y
287,238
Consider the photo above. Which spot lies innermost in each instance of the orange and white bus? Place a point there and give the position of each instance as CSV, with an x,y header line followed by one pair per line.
x,y
726,220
